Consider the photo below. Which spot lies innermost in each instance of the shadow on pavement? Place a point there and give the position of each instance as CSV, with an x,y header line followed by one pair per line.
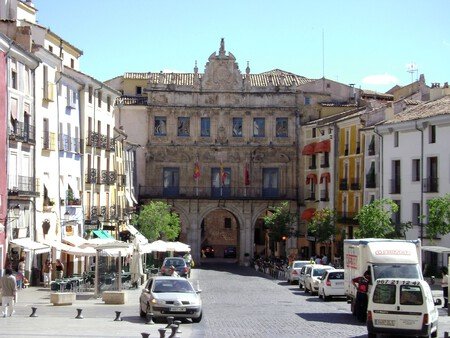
x,y
336,318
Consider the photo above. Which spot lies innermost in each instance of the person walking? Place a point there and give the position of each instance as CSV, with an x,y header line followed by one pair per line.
x,y
444,284
8,288
362,286
59,269
46,270
21,273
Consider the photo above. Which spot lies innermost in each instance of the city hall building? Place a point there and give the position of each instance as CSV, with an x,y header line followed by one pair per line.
x,y
223,147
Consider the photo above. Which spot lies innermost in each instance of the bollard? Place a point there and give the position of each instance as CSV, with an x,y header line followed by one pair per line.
x,y
174,329
169,321
177,323
150,318
118,319
145,334
33,312
79,315
162,332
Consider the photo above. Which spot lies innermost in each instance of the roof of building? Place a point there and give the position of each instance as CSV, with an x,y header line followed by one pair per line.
x,y
275,77
423,110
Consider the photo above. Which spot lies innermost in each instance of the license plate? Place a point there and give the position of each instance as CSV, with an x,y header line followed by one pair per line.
x,y
339,283
384,322
177,309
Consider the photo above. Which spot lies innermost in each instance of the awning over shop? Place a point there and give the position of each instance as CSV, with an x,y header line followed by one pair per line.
x,y
74,240
325,177
29,245
102,234
309,149
311,178
307,214
71,250
135,232
322,147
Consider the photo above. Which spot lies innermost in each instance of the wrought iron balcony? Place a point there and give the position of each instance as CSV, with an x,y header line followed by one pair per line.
x,y
108,177
23,186
225,193
23,132
103,142
430,184
48,141
93,139
91,176
111,146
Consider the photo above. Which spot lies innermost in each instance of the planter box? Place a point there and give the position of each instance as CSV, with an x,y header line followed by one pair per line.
x,y
114,297
62,298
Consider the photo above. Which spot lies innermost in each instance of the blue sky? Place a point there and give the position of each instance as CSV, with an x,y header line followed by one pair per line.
x,y
370,44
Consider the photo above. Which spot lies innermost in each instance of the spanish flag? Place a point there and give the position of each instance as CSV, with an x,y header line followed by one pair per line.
x,y
196,170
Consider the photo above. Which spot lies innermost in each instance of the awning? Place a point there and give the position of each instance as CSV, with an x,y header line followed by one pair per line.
x,y
135,232
307,214
322,147
325,177
436,249
71,250
309,149
29,245
74,240
311,178
102,234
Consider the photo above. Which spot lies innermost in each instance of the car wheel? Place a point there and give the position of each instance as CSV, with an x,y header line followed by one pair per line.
x,y
198,320
319,294
326,298
306,289
142,313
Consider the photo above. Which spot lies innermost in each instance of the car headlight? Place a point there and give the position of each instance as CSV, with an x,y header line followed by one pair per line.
x,y
157,301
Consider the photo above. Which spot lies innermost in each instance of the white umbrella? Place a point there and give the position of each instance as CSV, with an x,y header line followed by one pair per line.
x,y
136,265
158,245
177,246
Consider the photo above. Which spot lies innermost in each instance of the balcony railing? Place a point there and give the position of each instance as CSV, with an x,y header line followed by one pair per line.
x,y
111,145
430,184
91,176
346,217
324,195
103,142
355,185
93,139
343,184
23,132
49,141
228,193
395,186
23,186
108,177
371,181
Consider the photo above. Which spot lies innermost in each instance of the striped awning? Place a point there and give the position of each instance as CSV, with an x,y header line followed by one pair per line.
x,y
309,149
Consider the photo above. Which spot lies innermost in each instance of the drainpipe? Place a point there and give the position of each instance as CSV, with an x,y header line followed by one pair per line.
x,y
421,178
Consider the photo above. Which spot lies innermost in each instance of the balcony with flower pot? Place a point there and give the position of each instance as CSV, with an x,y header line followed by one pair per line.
x,y
48,204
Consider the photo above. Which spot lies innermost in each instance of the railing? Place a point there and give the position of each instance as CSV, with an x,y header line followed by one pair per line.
x,y
49,141
371,181
91,176
324,195
111,145
355,185
108,177
343,184
346,217
229,193
395,186
430,184
23,185
23,132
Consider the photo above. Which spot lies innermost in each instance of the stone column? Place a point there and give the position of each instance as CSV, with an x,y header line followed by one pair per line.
x,y
246,240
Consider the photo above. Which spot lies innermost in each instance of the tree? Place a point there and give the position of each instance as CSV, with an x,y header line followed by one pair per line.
x,y
157,221
438,216
322,225
279,222
375,219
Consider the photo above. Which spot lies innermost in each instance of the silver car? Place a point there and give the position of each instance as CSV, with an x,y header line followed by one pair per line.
x,y
294,271
170,296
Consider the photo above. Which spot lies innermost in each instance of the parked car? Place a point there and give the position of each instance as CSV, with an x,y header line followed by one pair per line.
x,y
181,267
402,306
208,251
302,275
293,271
170,296
229,252
332,284
313,273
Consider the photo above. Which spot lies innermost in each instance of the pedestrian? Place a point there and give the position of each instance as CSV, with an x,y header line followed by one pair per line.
x,y
444,284
324,260
173,272
46,270
59,269
362,287
21,273
8,288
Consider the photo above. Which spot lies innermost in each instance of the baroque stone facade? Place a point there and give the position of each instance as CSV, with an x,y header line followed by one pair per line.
x,y
222,140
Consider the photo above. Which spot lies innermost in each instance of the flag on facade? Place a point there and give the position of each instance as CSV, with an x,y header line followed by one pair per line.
x,y
223,174
246,175
196,169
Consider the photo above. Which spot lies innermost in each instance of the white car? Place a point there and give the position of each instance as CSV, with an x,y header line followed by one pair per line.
x,y
313,273
332,284
294,271
302,275
170,296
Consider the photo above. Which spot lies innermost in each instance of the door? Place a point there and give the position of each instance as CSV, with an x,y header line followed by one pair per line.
x,y
220,182
270,182
171,179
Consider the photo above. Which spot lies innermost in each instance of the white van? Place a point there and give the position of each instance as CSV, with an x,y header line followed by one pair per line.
x,y
402,306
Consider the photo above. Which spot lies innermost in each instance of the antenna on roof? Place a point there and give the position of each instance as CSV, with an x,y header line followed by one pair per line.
x,y
412,68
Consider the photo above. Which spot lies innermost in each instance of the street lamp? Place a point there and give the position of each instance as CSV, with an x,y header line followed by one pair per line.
x,y
16,211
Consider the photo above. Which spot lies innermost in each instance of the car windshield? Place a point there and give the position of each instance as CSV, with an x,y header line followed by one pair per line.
x,y
178,285
336,275
396,271
298,265
318,272
174,262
